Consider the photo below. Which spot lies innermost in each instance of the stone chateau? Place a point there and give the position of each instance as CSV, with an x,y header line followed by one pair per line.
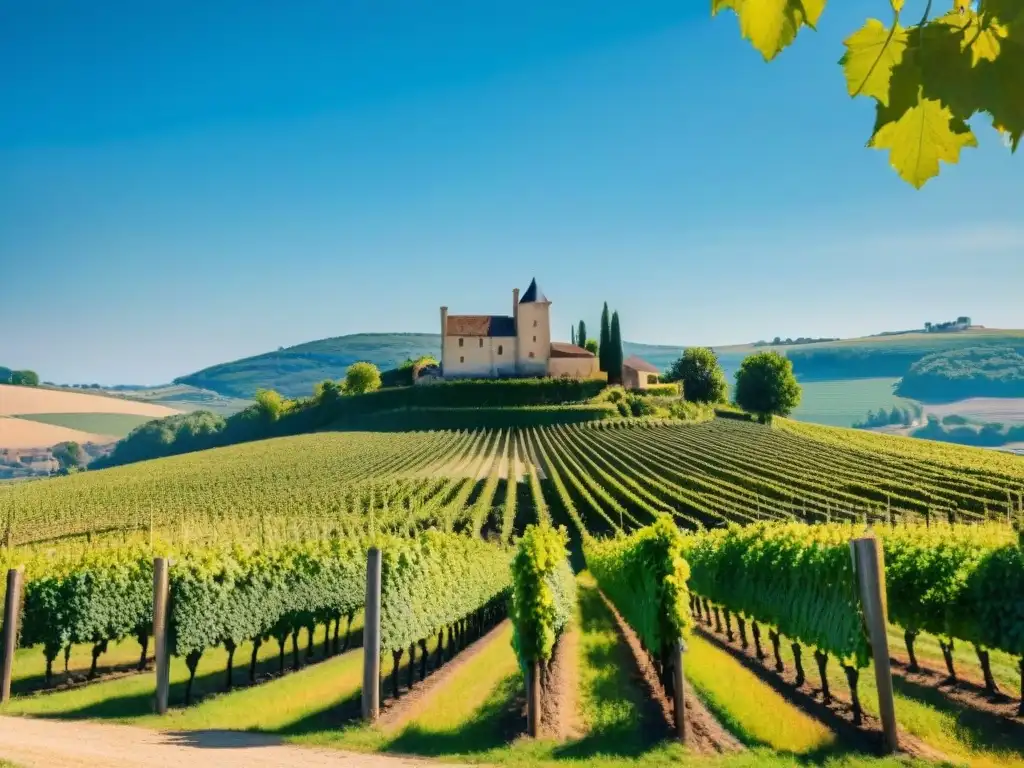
x,y
507,346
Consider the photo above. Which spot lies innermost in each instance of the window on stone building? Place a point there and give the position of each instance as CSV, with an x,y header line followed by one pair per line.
x,y
462,359
534,323
481,342
460,342
534,338
499,349
531,354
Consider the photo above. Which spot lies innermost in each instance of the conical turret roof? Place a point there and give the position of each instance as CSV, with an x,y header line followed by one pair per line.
x,y
533,294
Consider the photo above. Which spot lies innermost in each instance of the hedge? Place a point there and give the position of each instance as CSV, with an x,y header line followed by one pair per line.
x,y
413,419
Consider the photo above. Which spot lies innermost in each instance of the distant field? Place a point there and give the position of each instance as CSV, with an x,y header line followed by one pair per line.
x,y
19,401
844,402
1002,410
21,433
114,424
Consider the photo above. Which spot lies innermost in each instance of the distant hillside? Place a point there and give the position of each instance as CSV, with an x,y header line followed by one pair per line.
x,y
294,371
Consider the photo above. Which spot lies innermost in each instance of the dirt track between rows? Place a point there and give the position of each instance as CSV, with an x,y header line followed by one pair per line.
x,y
36,743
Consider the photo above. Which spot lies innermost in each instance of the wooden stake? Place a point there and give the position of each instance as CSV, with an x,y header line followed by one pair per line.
x,y
680,705
12,610
163,657
869,562
533,691
371,637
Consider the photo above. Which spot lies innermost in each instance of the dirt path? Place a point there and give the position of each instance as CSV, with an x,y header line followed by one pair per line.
x,y
34,743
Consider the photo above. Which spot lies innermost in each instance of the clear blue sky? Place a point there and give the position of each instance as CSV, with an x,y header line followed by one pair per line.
x,y
185,183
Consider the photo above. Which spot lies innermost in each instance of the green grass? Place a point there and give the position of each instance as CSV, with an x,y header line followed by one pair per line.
x,y
753,710
111,424
843,402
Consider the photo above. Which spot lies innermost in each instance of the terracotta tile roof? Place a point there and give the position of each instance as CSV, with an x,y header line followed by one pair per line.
x,y
639,364
481,325
561,349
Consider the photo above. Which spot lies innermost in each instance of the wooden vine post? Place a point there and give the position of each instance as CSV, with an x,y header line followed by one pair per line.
x,y
869,564
371,637
680,707
12,609
161,595
533,694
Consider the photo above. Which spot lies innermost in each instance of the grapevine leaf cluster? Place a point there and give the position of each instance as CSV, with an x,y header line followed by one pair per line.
x,y
95,596
645,576
434,580
798,578
927,79
232,594
957,581
543,592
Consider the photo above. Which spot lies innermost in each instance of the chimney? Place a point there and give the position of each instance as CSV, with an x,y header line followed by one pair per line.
x,y
444,334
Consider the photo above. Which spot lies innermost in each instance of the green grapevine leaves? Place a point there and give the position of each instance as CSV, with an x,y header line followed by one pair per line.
x,y
927,80
771,25
543,592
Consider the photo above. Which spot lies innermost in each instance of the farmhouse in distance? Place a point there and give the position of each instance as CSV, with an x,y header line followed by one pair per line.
x,y
510,346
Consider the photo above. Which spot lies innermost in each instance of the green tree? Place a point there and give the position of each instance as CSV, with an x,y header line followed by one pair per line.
x,y
572,334
25,378
581,334
69,455
614,356
361,378
591,346
603,346
270,405
5,375
765,385
701,375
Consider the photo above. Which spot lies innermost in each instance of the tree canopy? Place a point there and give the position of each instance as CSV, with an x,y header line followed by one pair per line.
x,y
766,386
591,346
614,356
361,378
603,345
701,375
927,80
25,378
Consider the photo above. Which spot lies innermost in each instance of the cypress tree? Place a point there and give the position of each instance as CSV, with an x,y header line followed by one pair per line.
x,y
615,358
581,335
572,334
603,343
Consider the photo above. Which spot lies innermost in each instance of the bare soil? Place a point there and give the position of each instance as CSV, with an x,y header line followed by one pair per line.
x,y
560,716
35,743
837,715
704,734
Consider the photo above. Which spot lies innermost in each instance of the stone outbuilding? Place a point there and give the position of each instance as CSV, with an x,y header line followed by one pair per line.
x,y
637,373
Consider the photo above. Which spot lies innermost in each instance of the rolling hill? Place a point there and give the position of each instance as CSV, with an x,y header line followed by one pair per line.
x,y
293,371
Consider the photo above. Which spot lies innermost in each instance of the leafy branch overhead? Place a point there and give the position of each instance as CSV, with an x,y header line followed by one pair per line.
x,y
927,79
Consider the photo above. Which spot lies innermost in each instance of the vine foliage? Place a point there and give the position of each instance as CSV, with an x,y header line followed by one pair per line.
x,y
927,78
543,592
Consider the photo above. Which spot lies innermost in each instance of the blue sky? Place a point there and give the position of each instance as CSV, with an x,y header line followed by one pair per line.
x,y
187,183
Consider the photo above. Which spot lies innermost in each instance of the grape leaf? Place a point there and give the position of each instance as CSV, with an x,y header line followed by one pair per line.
x,y
1001,93
871,54
982,35
771,25
920,137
